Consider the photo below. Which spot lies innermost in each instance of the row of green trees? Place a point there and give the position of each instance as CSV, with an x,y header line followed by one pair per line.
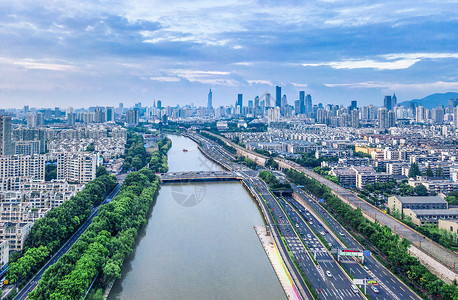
x,y
135,155
158,161
391,246
102,249
51,231
230,149
272,181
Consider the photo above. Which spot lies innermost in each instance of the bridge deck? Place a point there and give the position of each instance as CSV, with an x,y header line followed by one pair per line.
x,y
198,176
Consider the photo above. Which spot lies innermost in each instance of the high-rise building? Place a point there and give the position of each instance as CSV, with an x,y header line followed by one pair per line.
x,y
455,117
382,116
301,102
159,104
420,116
239,100
6,143
308,105
109,114
132,118
387,103
210,100
355,118
77,167
268,101
284,101
452,103
391,119
297,107
394,101
278,96
353,105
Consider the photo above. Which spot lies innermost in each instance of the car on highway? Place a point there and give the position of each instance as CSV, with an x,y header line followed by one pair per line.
x,y
341,233
355,289
374,289
329,274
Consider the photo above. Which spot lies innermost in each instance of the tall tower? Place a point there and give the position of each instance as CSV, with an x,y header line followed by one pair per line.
x,y
278,96
210,100
6,144
388,103
301,102
239,100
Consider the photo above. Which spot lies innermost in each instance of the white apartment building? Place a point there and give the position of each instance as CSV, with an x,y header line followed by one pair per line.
x,y
77,167
4,254
15,234
17,166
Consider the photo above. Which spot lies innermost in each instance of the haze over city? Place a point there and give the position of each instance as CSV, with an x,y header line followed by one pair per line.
x,y
81,53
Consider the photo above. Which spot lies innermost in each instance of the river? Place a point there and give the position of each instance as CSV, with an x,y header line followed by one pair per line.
x,y
199,242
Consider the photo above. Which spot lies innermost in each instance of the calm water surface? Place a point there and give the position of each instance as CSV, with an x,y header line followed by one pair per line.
x,y
199,242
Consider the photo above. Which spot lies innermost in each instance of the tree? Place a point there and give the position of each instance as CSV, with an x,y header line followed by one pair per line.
x,y
50,172
429,172
90,147
439,172
414,170
101,170
421,190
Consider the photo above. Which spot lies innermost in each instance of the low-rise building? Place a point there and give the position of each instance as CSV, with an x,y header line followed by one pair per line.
x,y
449,225
4,254
398,203
430,216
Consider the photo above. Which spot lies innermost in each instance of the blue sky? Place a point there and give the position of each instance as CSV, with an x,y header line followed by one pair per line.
x,y
86,52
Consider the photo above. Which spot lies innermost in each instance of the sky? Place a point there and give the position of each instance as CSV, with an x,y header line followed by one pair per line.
x,y
83,53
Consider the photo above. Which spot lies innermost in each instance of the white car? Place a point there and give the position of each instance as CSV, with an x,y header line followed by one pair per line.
x,y
374,289
328,274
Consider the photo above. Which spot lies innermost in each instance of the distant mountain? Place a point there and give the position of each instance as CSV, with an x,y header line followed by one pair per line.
x,y
433,100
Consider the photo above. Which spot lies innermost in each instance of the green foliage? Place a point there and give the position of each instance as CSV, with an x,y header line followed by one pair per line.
x,y
414,170
362,154
308,160
390,244
106,243
271,163
272,181
421,190
101,171
429,172
50,172
135,155
158,161
50,232
90,147
452,200
230,149
439,172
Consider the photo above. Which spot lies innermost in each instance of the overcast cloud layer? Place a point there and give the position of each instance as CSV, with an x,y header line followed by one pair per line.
x,y
86,52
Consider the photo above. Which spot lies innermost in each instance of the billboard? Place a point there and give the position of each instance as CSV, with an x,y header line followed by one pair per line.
x,y
350,252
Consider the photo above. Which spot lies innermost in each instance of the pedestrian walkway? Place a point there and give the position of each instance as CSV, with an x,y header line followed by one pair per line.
x,y
277,263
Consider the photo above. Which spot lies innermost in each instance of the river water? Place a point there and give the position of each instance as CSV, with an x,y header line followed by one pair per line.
x,y
199,242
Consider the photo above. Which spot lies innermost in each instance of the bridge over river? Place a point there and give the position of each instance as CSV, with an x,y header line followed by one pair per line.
x,y
199,176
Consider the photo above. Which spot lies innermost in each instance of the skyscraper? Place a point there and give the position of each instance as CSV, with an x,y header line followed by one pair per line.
x,y
387,103
278,96
354,118
354,105
239,100
308,105
382,116
301,102
6,144
268,104
159,104
210,100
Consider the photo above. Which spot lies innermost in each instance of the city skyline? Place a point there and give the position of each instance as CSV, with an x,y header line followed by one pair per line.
x,y
84,53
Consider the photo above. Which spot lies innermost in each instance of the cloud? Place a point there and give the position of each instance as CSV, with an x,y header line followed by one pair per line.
x,y
260,81
164,79
438,85
394,61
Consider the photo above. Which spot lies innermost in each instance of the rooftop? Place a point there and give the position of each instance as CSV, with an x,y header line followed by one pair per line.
x,y
421,199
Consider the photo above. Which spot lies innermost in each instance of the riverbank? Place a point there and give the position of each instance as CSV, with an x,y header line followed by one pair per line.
x,y
279,267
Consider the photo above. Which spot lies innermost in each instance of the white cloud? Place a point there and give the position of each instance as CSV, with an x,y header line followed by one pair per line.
x,y
366,64
260,81
433,86
164,78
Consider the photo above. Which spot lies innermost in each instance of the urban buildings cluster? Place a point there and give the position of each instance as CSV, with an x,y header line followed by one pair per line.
x,y
45,162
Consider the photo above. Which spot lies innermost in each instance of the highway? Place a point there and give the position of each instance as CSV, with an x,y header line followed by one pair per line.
x,y
32,284
389,286
306,245
436,251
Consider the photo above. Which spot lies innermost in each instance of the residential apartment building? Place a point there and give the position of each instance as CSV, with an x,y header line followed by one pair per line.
x,y
17,166
77,167
15,234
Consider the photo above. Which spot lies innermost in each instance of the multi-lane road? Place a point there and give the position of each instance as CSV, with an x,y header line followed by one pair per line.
x,y
298,226
32,284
